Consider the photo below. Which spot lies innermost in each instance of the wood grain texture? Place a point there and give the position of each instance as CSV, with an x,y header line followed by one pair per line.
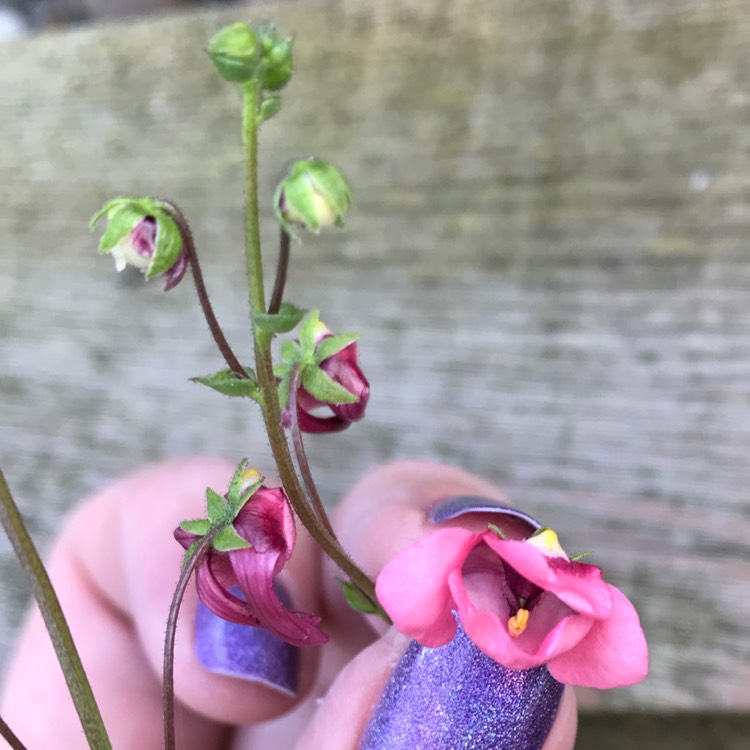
x,y
548,263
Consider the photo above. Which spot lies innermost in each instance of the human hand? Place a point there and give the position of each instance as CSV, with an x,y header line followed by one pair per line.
x,y
115,576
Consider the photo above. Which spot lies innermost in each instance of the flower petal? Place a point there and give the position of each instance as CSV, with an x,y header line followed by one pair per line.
x,y
255,573
613,654
216,597
413,586
579,585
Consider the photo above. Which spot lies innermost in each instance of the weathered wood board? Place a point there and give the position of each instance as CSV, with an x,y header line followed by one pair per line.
x,y
548,263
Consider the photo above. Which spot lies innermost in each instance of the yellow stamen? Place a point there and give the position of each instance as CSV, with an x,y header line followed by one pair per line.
x,y
250,477
517,624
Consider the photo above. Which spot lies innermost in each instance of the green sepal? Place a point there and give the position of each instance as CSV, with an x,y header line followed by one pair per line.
x,y
333,345
319,385
216,507
581,555
121,222
284,389
356,599
228,383
236,497
228,540
199,526
307,334
497,530
291,352
285,320
168,244
189,552
269,108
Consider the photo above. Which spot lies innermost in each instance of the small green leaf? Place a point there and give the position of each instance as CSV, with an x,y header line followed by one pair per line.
x,y
199,526
333,345
322,387
497,530
228,540
269,108
356,599
228,383
581,555
307,333
285,320
216,506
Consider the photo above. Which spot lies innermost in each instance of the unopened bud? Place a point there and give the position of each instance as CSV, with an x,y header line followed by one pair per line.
x,y
277,57
141,233
312,195
235,52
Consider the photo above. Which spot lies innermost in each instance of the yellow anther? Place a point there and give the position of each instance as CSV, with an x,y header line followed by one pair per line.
x,y
517,624
546,541
250,477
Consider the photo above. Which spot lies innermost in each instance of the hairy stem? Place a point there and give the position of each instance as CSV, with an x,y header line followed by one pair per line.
x,y
188,568
200,287
9,736
281,270
264,364
54,620
302,462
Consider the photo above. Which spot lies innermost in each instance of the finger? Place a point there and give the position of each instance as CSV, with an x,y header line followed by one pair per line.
x,y
361,691
116,566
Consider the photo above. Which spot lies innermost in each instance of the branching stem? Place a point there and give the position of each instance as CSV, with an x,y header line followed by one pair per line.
x,y
281,270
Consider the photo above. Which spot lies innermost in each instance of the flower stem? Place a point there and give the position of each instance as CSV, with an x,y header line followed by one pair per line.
x,y
281,270
302,462
208,311
188,567
9,736
54,620
263,362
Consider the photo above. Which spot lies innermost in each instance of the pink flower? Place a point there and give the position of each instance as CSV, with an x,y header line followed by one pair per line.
x,y
343,368
523,603
267,523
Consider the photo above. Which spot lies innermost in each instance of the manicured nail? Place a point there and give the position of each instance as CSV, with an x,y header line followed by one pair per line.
x,y
456,698
459,505
246,652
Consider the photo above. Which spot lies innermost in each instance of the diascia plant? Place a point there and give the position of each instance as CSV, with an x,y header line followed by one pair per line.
x,y
523,601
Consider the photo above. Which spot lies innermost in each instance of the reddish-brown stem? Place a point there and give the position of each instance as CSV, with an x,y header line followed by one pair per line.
x,y
168,672
200,287
301,455
9,736
281,270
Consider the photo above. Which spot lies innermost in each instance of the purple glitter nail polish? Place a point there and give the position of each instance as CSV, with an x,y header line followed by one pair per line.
x,y
245,652
456,698
459,505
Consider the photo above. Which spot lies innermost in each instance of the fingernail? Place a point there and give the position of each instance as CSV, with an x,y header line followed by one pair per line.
x,y
246,652
459,505
456,697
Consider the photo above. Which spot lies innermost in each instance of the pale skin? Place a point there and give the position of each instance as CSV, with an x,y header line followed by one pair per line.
x,y
115,566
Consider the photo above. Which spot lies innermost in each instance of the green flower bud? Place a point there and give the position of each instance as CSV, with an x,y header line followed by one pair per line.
x,y
313,195
277,58
142,233
235,52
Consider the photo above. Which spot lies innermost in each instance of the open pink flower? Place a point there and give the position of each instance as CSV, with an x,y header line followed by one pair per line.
x,y
267,523
523,603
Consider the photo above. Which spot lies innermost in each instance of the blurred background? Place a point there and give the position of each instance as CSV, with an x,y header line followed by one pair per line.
x,y
548,263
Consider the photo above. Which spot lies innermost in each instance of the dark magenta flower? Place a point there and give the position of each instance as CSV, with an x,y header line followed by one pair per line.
x,y
342,367
265,524
523,602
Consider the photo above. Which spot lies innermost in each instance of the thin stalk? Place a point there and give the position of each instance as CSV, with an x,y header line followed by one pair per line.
x,y
200,287
302,462
281,270
9,736
169,638
54,620
263,362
